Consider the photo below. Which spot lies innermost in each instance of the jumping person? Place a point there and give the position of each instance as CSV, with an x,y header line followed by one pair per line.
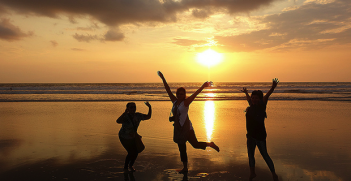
x,y
180,109
256,131
130,121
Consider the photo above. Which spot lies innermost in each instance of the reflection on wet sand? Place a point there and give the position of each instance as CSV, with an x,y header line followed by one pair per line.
x,y
129,176
209,115
174,174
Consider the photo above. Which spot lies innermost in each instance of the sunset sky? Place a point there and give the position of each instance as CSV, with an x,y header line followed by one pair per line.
x,y
112,41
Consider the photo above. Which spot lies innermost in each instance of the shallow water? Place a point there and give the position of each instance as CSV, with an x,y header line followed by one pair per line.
x,y
307,140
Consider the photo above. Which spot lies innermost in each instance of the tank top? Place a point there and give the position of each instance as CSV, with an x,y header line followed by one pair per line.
x,y
182,113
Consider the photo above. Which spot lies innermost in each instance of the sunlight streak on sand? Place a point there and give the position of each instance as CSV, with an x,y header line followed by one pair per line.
x,y
209,114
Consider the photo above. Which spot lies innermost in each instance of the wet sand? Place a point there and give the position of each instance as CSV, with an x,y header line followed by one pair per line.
x,y
307,140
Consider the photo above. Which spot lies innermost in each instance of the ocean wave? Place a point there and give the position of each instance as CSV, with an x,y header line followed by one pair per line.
x,y
155,91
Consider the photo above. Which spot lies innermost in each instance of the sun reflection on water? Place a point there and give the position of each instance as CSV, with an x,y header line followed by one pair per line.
x,y
210,95
209,114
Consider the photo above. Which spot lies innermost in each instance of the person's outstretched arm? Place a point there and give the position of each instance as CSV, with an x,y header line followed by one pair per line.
x,y
170,94
121,119
274,85
148,116
190,99
248,98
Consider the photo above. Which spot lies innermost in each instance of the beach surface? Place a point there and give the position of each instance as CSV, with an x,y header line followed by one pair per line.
x,y
307,140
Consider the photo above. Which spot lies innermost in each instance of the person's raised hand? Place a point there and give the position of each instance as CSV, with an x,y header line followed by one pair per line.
x,y
275,82
160,74
244,90
206,84
147,104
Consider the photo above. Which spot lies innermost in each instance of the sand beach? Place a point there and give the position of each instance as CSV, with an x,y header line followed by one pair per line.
x,y
307,140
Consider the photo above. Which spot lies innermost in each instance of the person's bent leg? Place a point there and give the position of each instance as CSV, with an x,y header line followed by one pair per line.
x,y
183,157
251,146
193,141
262,147
200,145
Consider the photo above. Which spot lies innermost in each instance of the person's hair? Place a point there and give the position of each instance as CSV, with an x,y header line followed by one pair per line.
x,y
258,93
181,89
130,103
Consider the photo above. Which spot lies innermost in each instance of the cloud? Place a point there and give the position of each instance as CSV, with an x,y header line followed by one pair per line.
x,y
187,42
113,35
231,6
53,43
85,28
85,38
202,14
2,10
115,13
92,27
10,32
78,49
313,25
72,20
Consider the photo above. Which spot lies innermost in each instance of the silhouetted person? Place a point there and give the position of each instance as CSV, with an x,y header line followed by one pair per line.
x,y
256,131
130,121
180,110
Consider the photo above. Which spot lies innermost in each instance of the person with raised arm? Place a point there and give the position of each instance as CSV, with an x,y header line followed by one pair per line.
x,y
183,129
256,131
130,121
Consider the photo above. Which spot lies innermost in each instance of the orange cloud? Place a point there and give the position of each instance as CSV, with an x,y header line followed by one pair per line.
x,y
307,27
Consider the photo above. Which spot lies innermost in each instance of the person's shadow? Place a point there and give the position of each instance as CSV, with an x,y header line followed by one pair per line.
x,y
128,176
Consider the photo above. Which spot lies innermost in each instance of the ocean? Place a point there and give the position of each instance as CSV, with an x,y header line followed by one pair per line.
x,y
48,92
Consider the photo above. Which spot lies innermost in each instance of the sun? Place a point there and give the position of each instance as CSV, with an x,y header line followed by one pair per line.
x,y
209,57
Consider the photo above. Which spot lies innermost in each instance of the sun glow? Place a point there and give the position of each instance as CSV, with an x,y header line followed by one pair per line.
x,y
209,57
209,114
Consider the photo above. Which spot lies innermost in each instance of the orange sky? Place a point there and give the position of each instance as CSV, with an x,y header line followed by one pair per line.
x,y
89,41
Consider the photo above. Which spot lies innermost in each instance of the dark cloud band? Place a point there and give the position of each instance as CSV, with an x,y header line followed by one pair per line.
x,y
117,12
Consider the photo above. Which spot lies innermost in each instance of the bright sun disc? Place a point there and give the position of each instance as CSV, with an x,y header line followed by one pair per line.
x,y
209,57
